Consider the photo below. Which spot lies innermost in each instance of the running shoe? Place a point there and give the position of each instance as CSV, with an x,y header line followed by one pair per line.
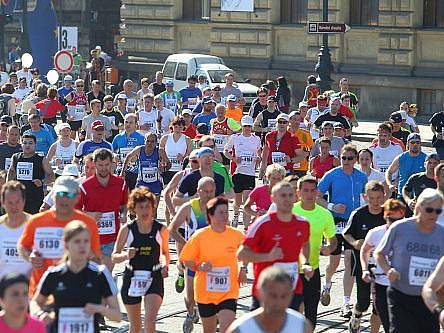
x,y
354,325
325,295
180,283
346,311
188,324
235,221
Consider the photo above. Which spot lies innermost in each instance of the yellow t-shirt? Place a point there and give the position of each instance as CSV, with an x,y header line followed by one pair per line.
x,y
306,142
219,249
235,114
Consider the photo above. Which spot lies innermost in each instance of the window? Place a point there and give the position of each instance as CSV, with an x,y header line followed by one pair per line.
x,y
294,11
364,12
427,102
433,14
181,73
169,69
196,9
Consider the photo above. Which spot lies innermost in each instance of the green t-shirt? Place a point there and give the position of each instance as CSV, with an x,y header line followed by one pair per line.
x,y
222,170
321,224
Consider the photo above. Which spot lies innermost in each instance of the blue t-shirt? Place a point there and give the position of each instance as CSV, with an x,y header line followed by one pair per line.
x,y
63,91
409,165
204,118
89,146
188,92
44,140
343,189
122,140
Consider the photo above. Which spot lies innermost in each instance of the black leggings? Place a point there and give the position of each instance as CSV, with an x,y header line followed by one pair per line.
x,y
380,303
363,289
312,294
408,314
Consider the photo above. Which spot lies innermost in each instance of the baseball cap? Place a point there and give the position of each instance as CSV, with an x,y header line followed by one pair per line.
x,y
121,96
13,74
71,170
207,100
434,156
97,125
66,184
396,117
338,125
5,119
202,128
201,76
204,150
232,98
187,111
247,121
302,104
169,83
61,126
413,136
271,98
282,116
67,78
194,153
326,123
22,78
294,113
108,98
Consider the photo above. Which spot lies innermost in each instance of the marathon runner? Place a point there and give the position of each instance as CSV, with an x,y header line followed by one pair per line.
x,y
314,113
131,96
190,94
10,147
44,138
114,115
7,101
384,150
62,152
323,162
171,98
336,143
165,115
77,107
266,120
90,145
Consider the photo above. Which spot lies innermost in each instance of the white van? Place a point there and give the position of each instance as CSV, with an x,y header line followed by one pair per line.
x,y
178,67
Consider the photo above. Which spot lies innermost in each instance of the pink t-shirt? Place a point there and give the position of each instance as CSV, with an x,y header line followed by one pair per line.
x,y
32,325
261,197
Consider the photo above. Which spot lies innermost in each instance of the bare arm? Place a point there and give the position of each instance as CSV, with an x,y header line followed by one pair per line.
x,y
50,177
118,256
128,158
433,285
179,198
11,173
51,151
257,124
364,254
391,170
180,218
169,191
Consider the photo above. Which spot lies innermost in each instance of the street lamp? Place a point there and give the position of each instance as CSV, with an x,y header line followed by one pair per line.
x,y
324,67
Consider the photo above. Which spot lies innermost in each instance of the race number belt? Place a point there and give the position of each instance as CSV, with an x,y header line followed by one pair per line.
x,y
140,283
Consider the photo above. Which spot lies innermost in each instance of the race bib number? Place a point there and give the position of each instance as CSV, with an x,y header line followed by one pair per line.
x,y
420,269
8,161
271,123
278,158
75,320
176,165
140,283
247,159
80,111
291,268
223,100
340,227
220,140
107,223
24,170
171,103
49,242
123,152
334,153
10,253
192,102
149,175
130,104
112,120
218,279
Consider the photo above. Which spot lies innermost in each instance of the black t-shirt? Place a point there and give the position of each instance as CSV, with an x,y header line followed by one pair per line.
x,y
361,221
118,120
401,135
75,290
258,108
189,183
91,96
417,183
6,151
158,88
328,117
437,122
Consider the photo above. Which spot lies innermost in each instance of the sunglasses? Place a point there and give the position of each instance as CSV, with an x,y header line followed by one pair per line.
x,y
262,96
430,210
79,86
194,161
415,142
282,122
347,158
66,195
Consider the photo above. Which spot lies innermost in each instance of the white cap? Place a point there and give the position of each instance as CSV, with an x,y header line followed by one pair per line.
x,y
187,111
282,116
302,104
71,170
247,121
61,126
67,78
66,184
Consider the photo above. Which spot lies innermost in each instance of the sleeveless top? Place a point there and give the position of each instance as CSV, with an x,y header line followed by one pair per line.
x,y
173,148
294,323
198,219
65,153
148,247
320,168
269,119
148,174
408,165
220,133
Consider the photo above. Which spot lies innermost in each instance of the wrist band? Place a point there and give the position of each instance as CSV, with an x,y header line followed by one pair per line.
x,y
330,206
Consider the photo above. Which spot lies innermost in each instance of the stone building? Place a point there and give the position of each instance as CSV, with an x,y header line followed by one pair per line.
x,y
394,50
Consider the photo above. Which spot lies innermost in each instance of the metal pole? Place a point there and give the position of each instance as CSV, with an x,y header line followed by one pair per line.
x,y
324,67
2,35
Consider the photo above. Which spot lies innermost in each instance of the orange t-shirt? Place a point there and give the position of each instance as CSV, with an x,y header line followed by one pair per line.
x,y
219,249
235,114
306,142
44,233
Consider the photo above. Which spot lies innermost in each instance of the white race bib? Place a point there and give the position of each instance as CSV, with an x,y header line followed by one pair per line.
x,y
220,140
420,269
140,283
130,105
8,161
149,175
170,103
247,159
176,165
192,102
383,165
75,320
292,269
218,279
334,153
123,152
107,223
278,158
25,170
271,123
340,227
9,254
49,242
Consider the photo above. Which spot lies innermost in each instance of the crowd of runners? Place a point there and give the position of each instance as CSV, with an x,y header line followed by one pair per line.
x,y
83,174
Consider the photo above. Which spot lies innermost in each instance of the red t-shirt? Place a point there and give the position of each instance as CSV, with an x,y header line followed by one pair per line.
x,y
266,232
346,112
96,198
288,145
190,131
49,107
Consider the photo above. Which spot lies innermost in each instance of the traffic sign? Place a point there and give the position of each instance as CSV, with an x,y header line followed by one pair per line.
x,y
63,61
326,27
67,37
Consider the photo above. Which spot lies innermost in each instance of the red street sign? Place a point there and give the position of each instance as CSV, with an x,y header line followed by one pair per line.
x,y
63,61
326,28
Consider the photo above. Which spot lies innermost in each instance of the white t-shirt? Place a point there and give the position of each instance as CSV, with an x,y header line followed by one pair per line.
x,y
411,122
149,118
314,114
245,147
383,157
167,117
373,238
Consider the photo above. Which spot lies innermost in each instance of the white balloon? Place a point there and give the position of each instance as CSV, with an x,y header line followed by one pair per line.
x,y
27,60
52,76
